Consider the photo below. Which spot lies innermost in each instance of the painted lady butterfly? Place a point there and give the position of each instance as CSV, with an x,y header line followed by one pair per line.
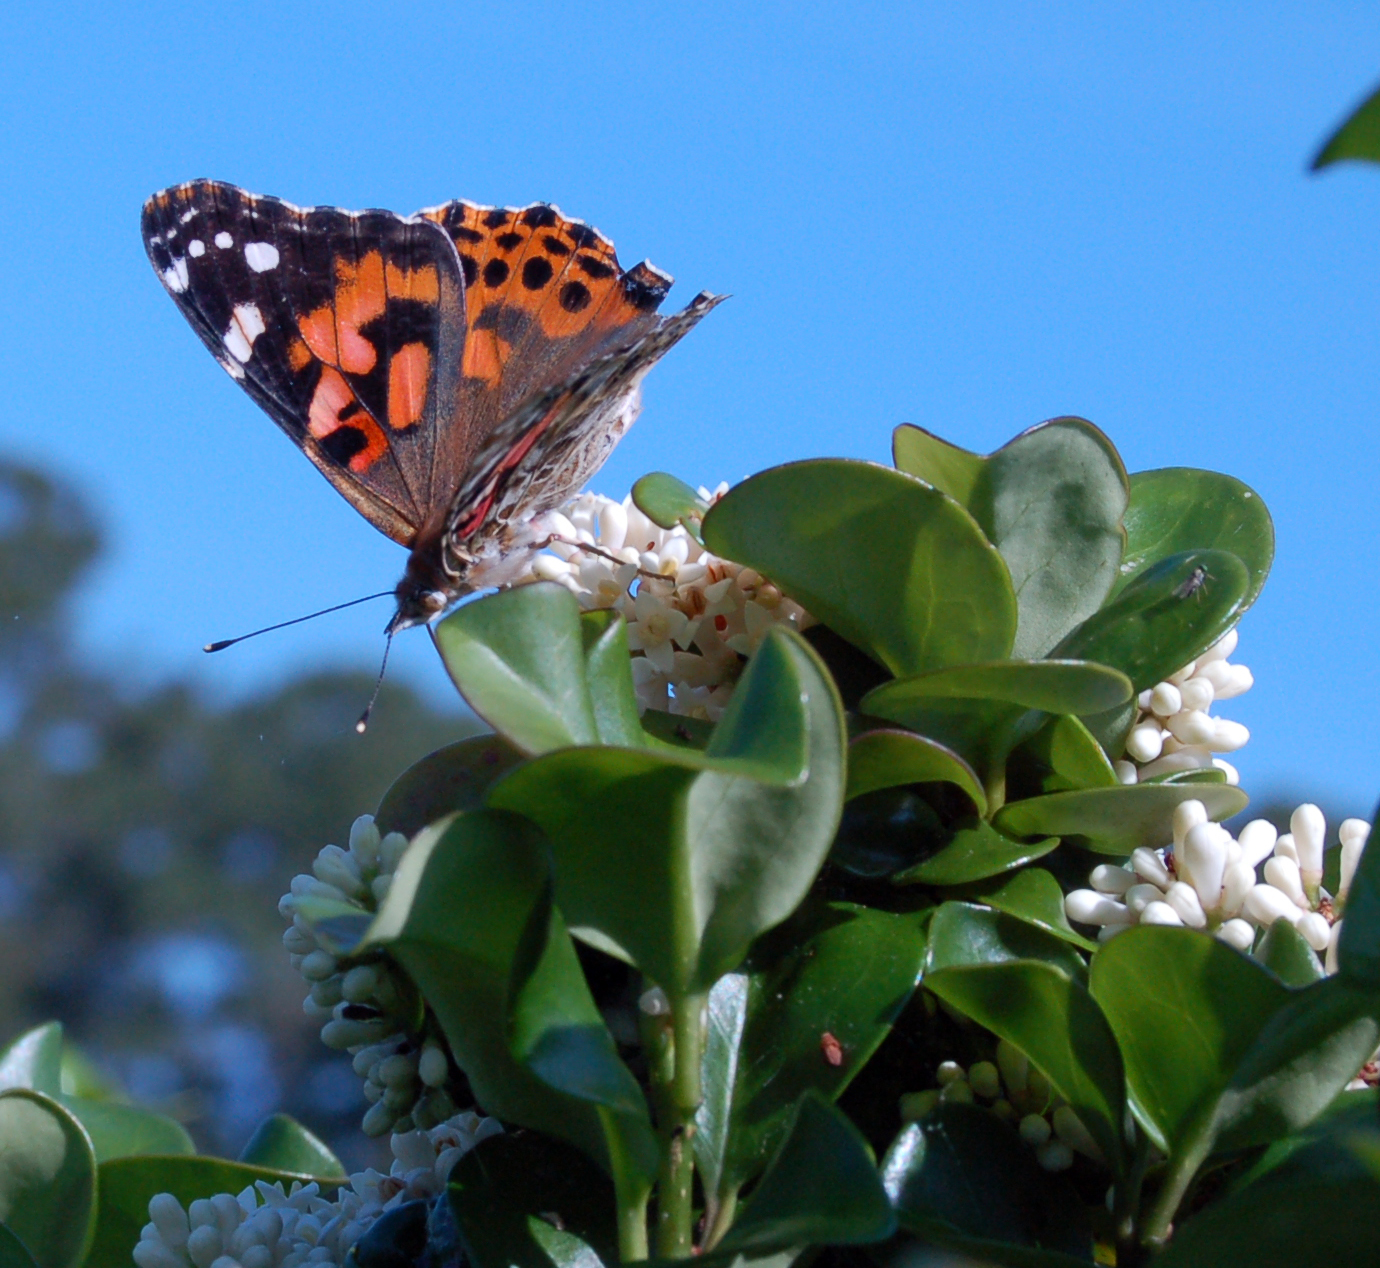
x,y
455,374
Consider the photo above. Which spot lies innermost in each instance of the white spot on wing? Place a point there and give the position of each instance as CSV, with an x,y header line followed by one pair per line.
x,y
246,325
186,215
196,247
175,278
223,240
261,256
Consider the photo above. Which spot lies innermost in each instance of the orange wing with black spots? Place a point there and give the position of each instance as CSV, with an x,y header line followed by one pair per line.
x,y
347,328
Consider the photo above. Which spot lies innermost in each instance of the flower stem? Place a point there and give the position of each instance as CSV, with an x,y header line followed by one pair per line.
x,y
675,1214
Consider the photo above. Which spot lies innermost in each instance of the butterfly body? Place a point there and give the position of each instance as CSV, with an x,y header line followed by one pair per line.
x,y
455,374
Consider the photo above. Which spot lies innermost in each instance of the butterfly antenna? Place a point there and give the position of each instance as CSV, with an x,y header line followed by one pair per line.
x,y
297,620
362,725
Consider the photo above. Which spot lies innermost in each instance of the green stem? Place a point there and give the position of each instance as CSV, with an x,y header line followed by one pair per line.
x,y
632,1226
719,1218
1126,1205
675,1188
1178,1176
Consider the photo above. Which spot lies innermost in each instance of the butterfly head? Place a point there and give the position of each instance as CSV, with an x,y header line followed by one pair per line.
x,y
416,605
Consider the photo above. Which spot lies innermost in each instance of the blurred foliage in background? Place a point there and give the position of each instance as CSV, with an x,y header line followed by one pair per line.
x,y
145,842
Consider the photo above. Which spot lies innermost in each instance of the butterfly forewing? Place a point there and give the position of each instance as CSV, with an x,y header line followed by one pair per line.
x,y
347,328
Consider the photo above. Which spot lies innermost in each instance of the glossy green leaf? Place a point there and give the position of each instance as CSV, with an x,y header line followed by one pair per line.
x,y
962,935
1357,138
469,917
123,1131
1288,956
965,1180
1180,509
505,1190
455,778
975,851
1052,1019
126,1185
921,453
1174,610
34,1060
822,1187
282,1143
677,860
1033,895
1185,1010
1358,948
667,501
887,759
933,592
676,729
47,1178
82,1077
609,675
886,831
1115,820
1068,757
839,970
1346,1115
13,1252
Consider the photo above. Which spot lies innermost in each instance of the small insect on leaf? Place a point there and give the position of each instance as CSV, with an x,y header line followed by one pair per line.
x,y
1193,583
831,1048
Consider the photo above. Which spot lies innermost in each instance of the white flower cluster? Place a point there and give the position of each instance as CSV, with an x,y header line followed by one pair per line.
x,y
406,1073
1174,731
264,1227
692,617
1207,880
1012,1089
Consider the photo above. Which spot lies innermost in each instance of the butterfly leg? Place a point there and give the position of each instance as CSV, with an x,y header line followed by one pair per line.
x,y
557,538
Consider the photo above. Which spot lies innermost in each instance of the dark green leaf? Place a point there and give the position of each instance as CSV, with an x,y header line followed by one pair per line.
x,y
676,729
1182,509
884,832
1358,948
975,851
1288,956
457,777
677,860
961,1170
127,1184
1056,686
953,470
1115,820
34,1060
282,1143
518,658
506,1189
1357,138
1052,1019
47,1179
962,935
13,1252
608,670
1069,757
846,972
667,501
469,917
1173,611
123,1131
933,590
1033,895
820,1188
886,759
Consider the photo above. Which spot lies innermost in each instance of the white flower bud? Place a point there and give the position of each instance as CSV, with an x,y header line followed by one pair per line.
x,y
1145,742
361,983
1148,865
364,841
318,966
1222,648
1187,814
1233,775
1330,961
1257,840
298,943
1165,700
1109,878
1126,772
335,867
1309,830
1265,904
170,1219
1239,681
343,1032
1108,932
960,1091
1069,1128
1143,700
1139,897
151,1253
1354,834
1315,929
327,993
398,1096
378,1120
549,568
1184,674
1014,1066
1227,736
399,1070
391,850
433,1068
1197,693
948,1072
654,1003
915,1105
985,1080
1192,726
1237,881
204,1245
1054,1155
1160,913
1285,848
1034,1129
1237,933
1215,672
381,885
1088,907
1283,874
1183,898
1204,857
613,526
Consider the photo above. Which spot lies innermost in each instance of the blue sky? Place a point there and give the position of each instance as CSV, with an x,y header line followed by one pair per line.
x,y
968,217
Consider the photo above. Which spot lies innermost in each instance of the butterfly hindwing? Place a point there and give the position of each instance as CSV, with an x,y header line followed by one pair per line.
x,y
347,328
